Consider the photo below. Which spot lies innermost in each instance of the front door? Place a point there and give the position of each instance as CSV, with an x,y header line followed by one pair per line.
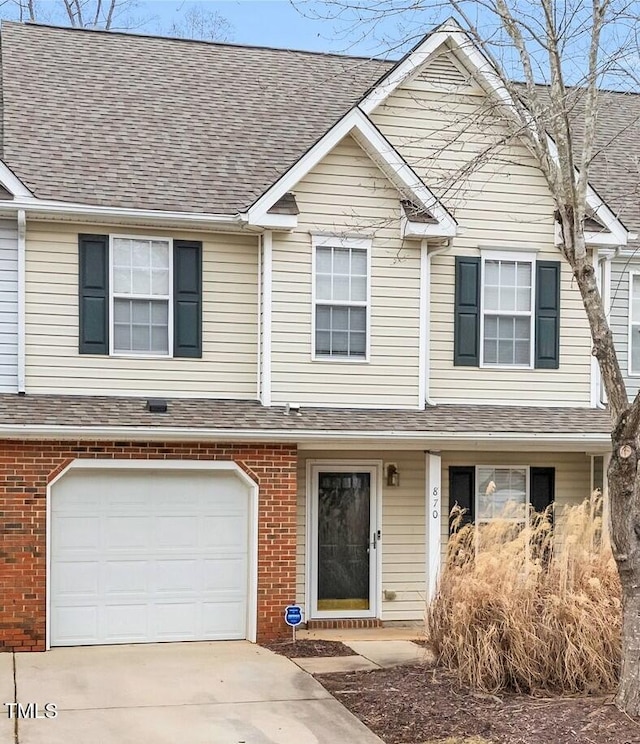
x,y
344,541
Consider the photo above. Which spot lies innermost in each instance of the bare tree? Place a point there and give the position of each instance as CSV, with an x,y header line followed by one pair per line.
x,y
103,14
571,47
198,22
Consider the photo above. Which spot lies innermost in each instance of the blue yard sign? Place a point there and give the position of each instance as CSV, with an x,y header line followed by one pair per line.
x,y
293,615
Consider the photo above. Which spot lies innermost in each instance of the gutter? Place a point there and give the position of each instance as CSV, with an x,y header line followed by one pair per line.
x,y
54,431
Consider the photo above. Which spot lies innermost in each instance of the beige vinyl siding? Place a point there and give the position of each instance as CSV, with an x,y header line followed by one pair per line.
x,y
619,318
347,194
573,475
403,530
228,367
500,200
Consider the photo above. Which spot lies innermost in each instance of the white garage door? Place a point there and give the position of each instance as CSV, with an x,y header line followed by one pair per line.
x,y
148,555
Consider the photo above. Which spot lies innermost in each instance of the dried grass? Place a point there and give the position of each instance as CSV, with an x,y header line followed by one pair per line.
x,y
530,609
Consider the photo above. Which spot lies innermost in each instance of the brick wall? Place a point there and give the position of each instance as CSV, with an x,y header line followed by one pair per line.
x,y
26,467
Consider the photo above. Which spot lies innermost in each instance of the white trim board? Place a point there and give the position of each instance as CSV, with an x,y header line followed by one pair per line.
x,y
382,153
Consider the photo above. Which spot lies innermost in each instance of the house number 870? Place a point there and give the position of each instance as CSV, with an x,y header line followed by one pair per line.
x,y
435,493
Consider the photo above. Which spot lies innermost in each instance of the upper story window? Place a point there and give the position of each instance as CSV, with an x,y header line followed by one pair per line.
x,y
507,311
141,296
634,323
507,318
341,299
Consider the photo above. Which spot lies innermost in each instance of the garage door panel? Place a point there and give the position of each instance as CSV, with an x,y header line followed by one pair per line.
x,y
76,533
122,532
125,623
219,625
148,556
224,574
177,576
78,624
126,577
225,532
77,579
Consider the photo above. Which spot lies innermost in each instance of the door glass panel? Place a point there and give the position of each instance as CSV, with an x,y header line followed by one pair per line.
x,y
343,541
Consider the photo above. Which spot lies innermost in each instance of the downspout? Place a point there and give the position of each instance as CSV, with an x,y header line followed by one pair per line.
x,y
22,232
427,314
267,294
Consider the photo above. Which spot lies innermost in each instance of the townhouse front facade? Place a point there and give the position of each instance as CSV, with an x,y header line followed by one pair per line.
x,y
265,317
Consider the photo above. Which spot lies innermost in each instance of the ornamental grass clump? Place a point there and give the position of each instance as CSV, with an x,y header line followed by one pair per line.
x,y
532,608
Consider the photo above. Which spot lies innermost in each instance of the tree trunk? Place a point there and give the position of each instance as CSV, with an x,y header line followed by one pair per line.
x,y
628,698
624,493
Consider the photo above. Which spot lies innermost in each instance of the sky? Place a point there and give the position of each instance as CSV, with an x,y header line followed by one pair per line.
x,y
295,24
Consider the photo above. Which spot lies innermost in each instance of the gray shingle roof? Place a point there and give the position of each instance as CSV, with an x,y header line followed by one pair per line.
x,y
133,121
103,411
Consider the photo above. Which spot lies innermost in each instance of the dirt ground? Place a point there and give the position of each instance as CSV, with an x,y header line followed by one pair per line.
x,y
422,705
306,648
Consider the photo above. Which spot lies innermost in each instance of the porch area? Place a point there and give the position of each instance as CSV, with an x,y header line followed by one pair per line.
x,y
373,525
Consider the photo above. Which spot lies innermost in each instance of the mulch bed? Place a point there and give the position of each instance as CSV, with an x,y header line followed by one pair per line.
x,y
422,705
307,648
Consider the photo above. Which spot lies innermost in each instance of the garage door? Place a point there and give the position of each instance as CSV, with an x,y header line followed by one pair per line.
x,y
148,555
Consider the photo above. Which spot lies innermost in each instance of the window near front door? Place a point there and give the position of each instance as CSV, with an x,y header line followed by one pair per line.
x,y
501,492
341,301
482,491
507,292
634,323
141,296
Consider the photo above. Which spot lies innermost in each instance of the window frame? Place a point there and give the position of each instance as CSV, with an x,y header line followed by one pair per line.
x,y
519,257
112,297
328,241
527,486
631,323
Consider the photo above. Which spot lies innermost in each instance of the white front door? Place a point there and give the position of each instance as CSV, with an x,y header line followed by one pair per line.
x,y
344,540
148,555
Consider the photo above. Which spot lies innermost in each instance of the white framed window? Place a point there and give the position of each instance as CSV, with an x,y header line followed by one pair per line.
x,y
500,491
634,323
507,310
341,299
140,296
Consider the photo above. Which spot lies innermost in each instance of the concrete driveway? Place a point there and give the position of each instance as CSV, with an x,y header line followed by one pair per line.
x,y
176,693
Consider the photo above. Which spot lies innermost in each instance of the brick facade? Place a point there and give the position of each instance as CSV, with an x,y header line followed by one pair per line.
x,y
26,467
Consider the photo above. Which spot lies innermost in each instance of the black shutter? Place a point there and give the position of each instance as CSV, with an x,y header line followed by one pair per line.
x,y
93,291
466,342
542,487
187,298
547,315
462,488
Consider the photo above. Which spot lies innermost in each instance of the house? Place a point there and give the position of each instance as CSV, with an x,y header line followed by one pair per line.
x,y
265,317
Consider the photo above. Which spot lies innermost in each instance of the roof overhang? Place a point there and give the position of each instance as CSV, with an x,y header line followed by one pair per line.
x,y
308,438
381,152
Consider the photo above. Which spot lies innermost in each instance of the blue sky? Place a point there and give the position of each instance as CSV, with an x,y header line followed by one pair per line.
x,y
294,25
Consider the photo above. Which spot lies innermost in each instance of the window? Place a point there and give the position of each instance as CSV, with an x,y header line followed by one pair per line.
x,y
507,302
634,323
341,300
141,296
501,491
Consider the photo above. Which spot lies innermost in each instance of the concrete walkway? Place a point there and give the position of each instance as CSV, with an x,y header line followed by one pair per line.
x,y
370,655
200,693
